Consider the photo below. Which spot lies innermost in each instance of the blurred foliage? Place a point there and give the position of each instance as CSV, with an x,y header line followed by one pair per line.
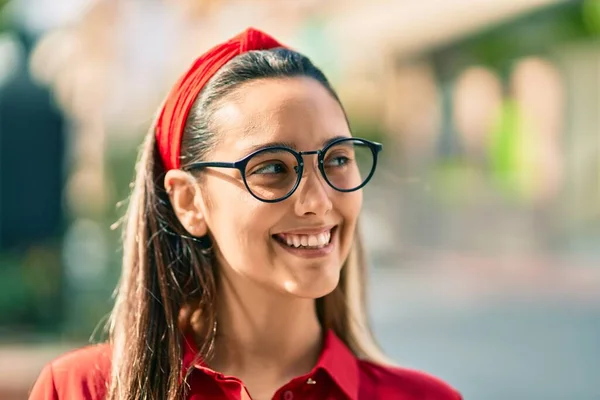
x,y
531,34
120,170
498,47
506,145
455,182
3,15
32,283
591,16
367,129
88,315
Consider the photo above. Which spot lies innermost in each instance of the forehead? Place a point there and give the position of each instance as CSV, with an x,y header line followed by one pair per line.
x,y
298,110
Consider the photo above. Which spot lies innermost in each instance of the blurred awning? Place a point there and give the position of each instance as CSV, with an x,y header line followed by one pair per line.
x,y
367,29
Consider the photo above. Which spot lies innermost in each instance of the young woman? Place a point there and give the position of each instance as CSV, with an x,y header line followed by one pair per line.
x,y
243,269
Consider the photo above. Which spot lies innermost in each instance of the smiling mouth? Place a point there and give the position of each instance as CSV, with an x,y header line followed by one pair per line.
x,y
312,241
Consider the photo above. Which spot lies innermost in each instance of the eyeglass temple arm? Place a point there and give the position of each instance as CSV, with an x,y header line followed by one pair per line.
x,y
205,164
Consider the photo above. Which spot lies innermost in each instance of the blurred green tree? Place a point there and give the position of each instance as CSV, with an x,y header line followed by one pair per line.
x,y
3,15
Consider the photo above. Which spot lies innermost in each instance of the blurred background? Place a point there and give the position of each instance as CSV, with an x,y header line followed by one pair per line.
x,y
483,223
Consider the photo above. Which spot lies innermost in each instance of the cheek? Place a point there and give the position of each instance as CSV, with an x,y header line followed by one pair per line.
x,y
349,206
239,224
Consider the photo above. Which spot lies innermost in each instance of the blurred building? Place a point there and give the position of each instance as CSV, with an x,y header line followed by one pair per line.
x,y
510,112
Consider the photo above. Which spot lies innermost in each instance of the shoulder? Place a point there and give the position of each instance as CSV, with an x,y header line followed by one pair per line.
x,y
79,374
380,381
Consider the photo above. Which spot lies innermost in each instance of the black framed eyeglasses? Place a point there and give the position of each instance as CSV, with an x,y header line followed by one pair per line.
x,y
272,174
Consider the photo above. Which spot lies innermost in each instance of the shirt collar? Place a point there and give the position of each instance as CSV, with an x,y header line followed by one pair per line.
x,y
340,363
335,359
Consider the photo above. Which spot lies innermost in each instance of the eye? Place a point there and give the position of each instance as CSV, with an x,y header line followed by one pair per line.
x,y
337,161
275,167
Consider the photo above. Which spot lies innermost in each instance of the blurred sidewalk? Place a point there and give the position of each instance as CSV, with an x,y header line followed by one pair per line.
x,y
494,337
21,364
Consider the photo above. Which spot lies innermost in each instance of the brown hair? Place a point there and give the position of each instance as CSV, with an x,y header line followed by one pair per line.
x,y
169,284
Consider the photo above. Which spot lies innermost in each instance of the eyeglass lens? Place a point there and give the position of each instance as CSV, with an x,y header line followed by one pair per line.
x,y
271,174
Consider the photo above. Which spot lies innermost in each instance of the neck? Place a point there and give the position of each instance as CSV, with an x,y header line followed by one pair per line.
x,y
258,329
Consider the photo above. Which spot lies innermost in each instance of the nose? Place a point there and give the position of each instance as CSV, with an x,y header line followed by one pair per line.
x,y
313,194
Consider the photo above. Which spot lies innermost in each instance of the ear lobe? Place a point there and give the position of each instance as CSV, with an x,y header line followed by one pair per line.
x,y
197,225
186,200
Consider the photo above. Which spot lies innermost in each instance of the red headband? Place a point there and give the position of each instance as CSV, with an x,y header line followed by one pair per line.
x,y
171,121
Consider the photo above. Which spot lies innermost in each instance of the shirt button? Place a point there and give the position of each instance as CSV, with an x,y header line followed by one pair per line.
x,y
288,395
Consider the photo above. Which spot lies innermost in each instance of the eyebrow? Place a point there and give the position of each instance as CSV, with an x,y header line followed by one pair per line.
x,y
290,145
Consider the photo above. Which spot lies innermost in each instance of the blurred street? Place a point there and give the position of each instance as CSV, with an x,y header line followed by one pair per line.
x,y
527,347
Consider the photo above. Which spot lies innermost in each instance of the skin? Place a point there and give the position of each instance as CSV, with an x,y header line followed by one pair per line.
x,y
266,316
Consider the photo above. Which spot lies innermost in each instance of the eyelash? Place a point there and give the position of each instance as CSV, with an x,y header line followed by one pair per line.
x,y
274,163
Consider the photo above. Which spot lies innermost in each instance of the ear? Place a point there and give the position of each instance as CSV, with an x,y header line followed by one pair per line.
x,y
187,201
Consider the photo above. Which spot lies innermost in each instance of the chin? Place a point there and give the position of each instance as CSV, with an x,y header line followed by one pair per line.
x,y
312,288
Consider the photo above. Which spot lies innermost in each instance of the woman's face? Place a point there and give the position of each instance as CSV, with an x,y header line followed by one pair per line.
x,y
257,240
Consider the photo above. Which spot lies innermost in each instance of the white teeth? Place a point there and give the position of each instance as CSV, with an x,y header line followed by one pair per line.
x,y
316,241
323,238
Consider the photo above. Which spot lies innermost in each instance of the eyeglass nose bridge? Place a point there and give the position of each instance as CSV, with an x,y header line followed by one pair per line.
x,y
308,153
319,154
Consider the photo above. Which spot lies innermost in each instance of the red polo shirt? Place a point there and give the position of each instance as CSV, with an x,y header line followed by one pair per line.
x,y
338,375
